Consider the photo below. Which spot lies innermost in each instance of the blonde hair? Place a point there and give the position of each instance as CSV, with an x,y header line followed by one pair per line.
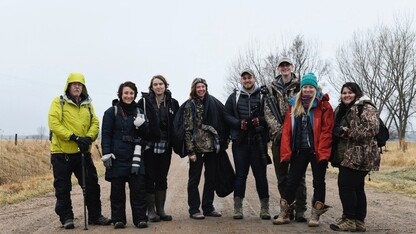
x,y
298,109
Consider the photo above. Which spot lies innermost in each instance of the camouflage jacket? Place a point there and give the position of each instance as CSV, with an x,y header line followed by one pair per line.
x,y
197,140
361,152
282,94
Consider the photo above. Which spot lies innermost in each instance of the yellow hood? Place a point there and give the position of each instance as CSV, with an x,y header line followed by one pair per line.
x,y
76,77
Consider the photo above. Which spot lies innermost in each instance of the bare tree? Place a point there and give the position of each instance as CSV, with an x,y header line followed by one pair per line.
x,y
41,132
264,65
382,62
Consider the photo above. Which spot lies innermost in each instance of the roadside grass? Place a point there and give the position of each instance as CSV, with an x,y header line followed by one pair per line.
x,y
25,170
397,170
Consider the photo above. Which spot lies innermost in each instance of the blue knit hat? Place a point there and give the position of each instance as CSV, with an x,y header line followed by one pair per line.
x,y
309,79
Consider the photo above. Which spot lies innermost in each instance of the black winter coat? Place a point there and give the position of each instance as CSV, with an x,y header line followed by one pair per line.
x,y
172,107
117,133
248,106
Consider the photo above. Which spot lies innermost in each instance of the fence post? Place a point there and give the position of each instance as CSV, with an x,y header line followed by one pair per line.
x,y
15,139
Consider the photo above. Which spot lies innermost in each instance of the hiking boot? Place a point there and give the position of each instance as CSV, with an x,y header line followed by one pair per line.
x,y
344,225
151,210
69,224
197,215
213,213
360,226
285,210
317,210
118,225
142,224
238,208
100,221
264,210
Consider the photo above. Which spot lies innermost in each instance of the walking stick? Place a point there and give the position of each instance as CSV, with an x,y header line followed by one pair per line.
x,y
84,192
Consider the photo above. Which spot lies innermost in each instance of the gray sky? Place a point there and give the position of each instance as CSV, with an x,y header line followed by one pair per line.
x,y
42,41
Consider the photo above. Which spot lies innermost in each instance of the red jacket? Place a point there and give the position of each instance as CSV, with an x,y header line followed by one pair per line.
x,y
322,117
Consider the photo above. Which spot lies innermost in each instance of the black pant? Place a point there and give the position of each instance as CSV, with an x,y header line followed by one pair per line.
x,y
282,171
157,168
195,169
351,192
137,198
63,166
298,165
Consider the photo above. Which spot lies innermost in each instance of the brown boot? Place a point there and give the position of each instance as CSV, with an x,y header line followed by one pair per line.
x,y
317,210
360,226
285,210
344,225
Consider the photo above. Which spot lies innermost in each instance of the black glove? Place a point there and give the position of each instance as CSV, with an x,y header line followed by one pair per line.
x,y
338,131
135,170
250,125
83,142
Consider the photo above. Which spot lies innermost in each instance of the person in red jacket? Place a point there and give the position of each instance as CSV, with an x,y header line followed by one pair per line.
x,y
306,138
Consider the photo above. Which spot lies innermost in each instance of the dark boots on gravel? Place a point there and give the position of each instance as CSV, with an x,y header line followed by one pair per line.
x,y
151,208
160,198
238,208
264,208
100,221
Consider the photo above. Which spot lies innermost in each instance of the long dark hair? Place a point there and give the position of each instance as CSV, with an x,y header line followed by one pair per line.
x,y
160,77
355,88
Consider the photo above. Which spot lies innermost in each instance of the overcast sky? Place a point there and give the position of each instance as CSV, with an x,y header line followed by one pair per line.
x,y
42,41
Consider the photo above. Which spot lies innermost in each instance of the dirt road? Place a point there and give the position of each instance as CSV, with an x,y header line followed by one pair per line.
x,y
387,212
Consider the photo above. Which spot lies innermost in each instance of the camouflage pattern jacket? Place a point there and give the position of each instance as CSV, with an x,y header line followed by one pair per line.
x,y
282,93
361,152
204,126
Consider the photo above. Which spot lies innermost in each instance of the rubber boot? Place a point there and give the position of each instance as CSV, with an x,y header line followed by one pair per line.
x,y
284,215
238,208
160,197
264,210
317,210
151,212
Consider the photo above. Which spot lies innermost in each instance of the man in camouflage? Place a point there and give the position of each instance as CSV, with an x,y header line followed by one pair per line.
x,y
285,86
205,135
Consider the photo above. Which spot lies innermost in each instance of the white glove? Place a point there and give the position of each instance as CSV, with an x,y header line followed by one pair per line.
x,y
107,160
139,120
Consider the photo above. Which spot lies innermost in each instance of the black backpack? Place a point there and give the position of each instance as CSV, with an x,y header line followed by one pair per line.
x,y
178,133
383,132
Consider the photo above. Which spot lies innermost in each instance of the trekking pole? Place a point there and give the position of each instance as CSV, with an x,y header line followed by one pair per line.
x,y
84,192
98,149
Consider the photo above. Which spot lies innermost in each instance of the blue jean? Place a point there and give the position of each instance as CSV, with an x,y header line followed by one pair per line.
x,y
246,155
298,164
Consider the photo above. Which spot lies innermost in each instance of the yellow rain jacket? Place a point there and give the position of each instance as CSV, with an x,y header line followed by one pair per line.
x,y
66,118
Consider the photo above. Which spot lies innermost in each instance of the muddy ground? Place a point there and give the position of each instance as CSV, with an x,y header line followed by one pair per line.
x,y
387,212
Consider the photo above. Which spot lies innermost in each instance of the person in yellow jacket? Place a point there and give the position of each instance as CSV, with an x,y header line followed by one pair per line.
x,y
74,126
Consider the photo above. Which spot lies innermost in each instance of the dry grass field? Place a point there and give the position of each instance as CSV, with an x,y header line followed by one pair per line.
x,y
25,170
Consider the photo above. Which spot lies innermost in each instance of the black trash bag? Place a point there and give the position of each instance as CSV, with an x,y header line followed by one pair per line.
x,y
224,176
